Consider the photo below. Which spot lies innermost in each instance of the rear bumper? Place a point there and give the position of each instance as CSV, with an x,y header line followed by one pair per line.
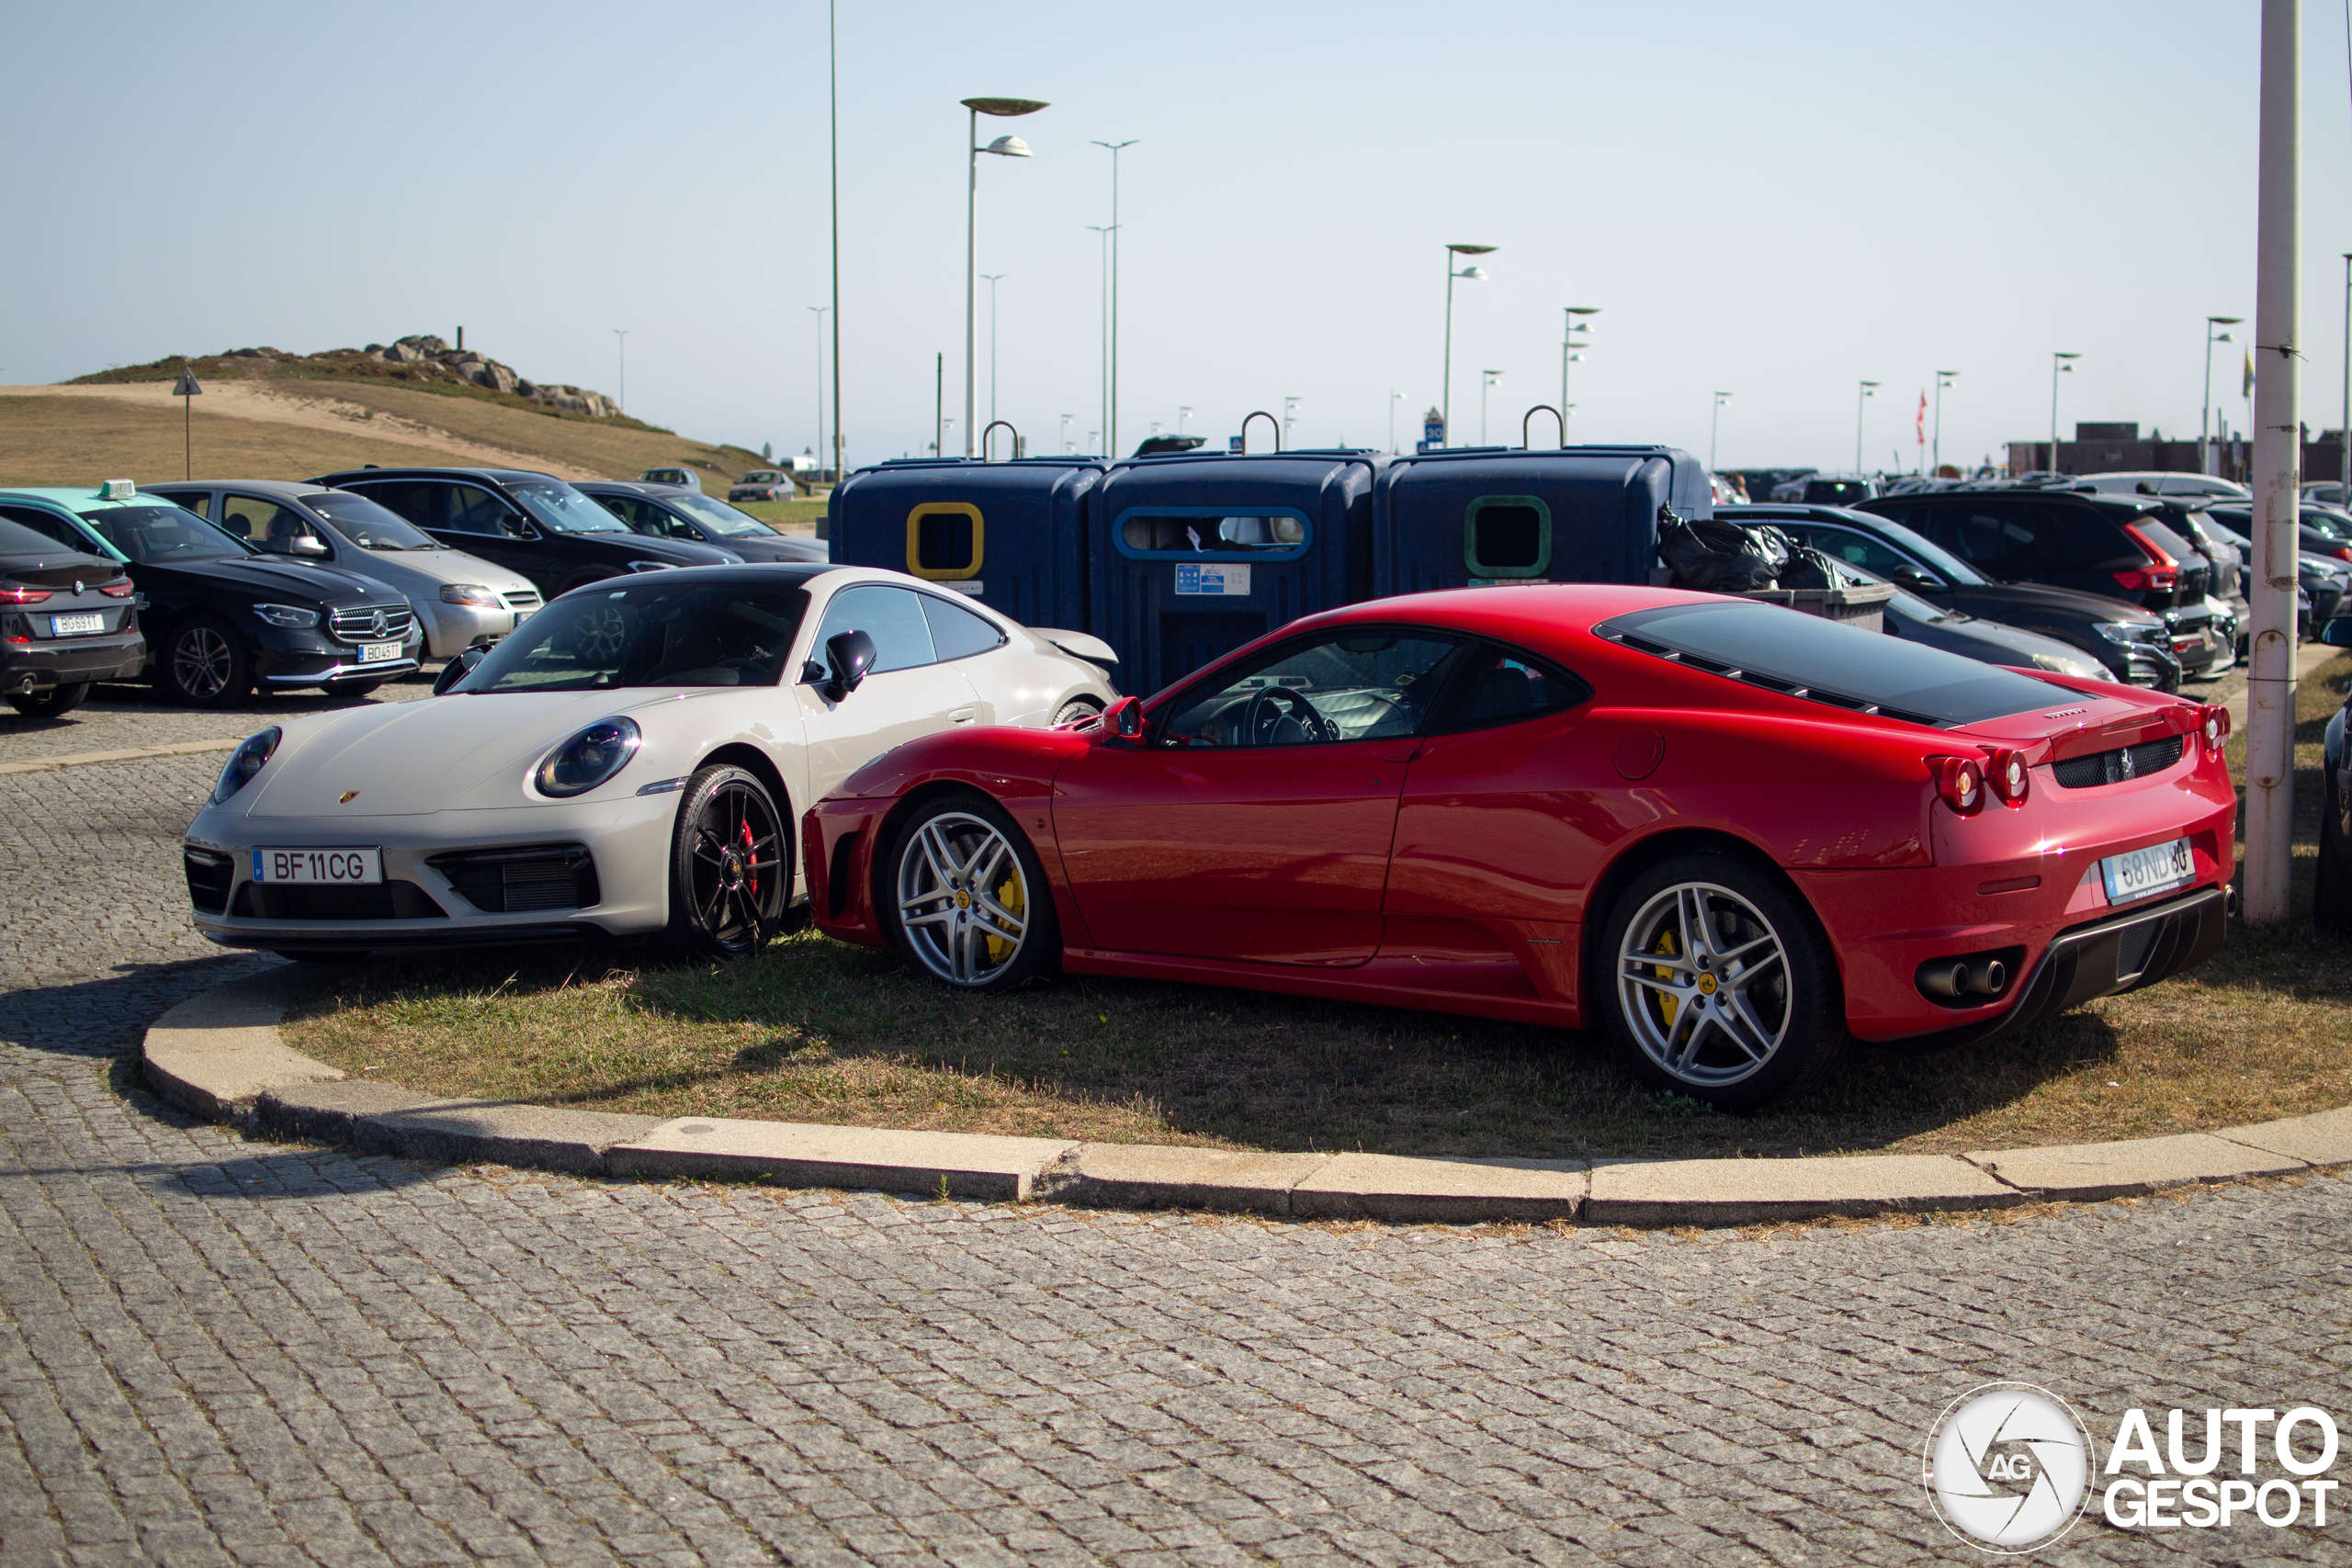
x,y
41,665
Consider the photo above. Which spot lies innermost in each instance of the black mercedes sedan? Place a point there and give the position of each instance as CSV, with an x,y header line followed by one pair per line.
x,y
222,616
673,512
68,619
530,523
2132,644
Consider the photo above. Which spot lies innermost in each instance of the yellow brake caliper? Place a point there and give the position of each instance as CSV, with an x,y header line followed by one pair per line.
x,y
1667,1005
1008,893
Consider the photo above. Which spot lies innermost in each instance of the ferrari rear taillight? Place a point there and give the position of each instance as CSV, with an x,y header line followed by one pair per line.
x,y
2009,777
2161,575
1961,781
15,593
2213,724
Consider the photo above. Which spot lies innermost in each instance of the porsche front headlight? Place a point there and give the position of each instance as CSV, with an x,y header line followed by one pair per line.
x,y
244,762
590,758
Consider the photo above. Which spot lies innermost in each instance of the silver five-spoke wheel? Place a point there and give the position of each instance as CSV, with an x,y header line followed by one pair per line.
x,y
964,904
1702,982
202,662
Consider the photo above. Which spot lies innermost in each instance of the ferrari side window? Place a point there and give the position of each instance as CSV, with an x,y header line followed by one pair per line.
x,y
1503,687
891,616
1364,683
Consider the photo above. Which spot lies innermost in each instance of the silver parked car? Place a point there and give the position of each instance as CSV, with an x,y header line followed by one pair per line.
x,y
460,600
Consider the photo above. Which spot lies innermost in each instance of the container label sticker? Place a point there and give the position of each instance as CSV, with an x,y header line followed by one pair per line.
x,y
1225,582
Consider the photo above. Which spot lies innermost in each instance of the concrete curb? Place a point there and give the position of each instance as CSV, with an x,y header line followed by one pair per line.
x,y
220,1056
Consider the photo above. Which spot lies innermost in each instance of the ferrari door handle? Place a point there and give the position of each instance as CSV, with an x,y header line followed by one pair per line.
x,y
1399,758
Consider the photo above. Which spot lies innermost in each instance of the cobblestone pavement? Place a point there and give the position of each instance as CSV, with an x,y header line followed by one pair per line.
x,y
214,1350
119,718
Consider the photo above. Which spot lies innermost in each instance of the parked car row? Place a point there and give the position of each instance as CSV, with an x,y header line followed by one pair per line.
x,y
338,583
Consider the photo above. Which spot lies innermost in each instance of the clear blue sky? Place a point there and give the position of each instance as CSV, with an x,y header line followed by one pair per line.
x,y
1775,200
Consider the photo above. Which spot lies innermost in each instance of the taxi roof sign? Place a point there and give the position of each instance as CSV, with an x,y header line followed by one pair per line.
x,y
118,489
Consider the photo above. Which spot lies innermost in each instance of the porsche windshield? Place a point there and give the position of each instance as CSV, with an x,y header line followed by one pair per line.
x,y
1791,651
648,635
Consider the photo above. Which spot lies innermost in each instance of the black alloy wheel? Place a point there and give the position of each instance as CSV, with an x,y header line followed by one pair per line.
x,y
204,664
1078,708
55,702
731,866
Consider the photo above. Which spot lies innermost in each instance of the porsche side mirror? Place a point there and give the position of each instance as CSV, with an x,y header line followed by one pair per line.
x,y
457,670
813,674
2338,632
849,656
1124,718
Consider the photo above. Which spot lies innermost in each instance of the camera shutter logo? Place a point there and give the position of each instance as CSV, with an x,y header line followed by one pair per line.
x,y
2008,1467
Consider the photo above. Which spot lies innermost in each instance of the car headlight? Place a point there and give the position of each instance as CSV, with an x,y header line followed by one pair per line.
x,y
2128,631
287,615
471,593
588,758
244,762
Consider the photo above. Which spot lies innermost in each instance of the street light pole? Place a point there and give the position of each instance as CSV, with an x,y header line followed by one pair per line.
x,y
2061,362
1567,346
1184,413
1869,389
623,402
2205,411
992,277
1485,379
1105,230
1714,428
1290,411
1943,378
1111,409
2276,455
1477,275
1004,147
1393,396
833,113
820,312
2344,431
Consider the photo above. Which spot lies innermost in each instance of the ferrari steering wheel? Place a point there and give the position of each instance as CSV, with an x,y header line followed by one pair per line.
x,y
1263,720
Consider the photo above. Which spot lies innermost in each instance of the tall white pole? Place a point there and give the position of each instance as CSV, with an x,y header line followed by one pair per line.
x,y
1445,400
2344,431
2277,453
992,277
971,265
2205,409
833,113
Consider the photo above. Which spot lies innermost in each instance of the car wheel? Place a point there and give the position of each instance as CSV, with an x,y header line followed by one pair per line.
x,y
967,897
731,866
204,664
52,704
1077,708
1722,987
2331,879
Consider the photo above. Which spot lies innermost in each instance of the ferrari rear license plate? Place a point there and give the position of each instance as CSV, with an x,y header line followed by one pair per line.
x,y
378,652
335,868
75,625
2156,869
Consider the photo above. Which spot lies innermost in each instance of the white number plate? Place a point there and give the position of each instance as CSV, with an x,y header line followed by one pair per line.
x,y
2153,870
377,652
333,867
75,625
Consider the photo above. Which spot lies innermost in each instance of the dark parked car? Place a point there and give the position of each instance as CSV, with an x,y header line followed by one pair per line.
x,y
2331,878
222,616
2321,582
530,523
2322,530
2113,546
2132,644
665,512
1915,620
1825,490
68,618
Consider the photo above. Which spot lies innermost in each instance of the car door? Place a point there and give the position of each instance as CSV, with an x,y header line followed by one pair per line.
x,y
907,694
1858,549
1499,830
1254,820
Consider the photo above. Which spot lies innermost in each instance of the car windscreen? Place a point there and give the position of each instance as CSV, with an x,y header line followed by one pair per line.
x,y
1806,655
719,517
564,509
648,634
16,539
369,526
163,535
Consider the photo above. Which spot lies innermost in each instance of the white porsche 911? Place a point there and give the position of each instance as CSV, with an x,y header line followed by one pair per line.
x,y
631,761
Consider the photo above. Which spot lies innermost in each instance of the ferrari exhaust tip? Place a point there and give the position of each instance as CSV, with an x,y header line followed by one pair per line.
x,y
1963,980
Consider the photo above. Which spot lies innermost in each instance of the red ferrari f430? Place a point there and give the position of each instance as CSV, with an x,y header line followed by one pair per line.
x,y
1733,835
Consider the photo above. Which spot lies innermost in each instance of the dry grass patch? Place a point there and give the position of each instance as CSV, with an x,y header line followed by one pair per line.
x,y
813,1031
80,440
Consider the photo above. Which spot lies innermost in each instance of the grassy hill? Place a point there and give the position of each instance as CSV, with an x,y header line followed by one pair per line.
x,y
264,416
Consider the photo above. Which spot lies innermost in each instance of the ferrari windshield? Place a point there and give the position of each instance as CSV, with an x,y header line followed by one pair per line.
x,y
1791,651
369,526
154,535
648,634
564,509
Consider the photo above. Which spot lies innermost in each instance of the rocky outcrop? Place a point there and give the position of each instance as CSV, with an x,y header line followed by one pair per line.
x,y
421,356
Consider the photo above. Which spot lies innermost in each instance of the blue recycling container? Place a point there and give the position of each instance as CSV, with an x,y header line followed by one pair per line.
x,y
1011,535
1488,515
1192,556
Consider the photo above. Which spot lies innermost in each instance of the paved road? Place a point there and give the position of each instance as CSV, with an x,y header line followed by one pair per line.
x,y
219,1352
119,718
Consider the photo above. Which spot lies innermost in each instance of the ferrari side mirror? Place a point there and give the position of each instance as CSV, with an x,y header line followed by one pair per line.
x,y
849,656
457,670
1124,718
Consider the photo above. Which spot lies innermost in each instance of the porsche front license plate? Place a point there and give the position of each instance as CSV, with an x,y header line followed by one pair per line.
x,y
377,652
75,625
338,868
2156,869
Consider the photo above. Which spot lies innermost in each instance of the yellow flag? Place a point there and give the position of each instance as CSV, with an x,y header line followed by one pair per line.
x,y
2248,390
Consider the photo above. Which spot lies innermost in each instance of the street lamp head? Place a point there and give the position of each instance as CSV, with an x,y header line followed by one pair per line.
x,y
2233,321
1474,274
1581,310
1004,108
1946,374
1008,147
1471,250
2061,354
2224,337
